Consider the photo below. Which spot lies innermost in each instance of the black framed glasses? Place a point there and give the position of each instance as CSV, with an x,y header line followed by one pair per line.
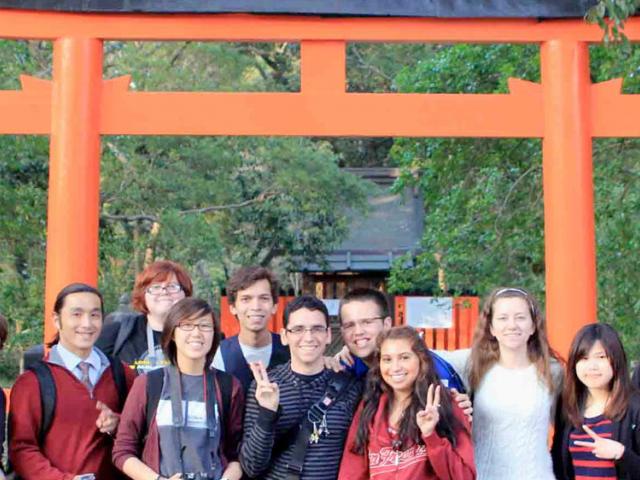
x,y
159,289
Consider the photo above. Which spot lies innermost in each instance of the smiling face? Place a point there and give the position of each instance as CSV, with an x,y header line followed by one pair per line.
x,y
307,336
362,322
254,306
160,300
594,369
193,338
79,322
511,323
399,365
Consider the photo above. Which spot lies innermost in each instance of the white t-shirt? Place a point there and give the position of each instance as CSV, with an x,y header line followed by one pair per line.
x,y
250,354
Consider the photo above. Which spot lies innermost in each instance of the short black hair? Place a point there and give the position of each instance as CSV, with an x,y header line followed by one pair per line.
x,y
366,295
305,301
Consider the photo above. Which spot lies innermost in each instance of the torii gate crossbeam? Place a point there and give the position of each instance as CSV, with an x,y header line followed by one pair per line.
x,y
78,106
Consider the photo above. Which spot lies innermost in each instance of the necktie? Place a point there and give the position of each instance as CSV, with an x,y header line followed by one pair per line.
x,y
85,379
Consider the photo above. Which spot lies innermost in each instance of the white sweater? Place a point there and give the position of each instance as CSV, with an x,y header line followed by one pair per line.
x,y
511,417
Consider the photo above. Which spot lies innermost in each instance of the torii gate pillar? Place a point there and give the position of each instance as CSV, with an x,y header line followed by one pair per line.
x,y
570,253
74,168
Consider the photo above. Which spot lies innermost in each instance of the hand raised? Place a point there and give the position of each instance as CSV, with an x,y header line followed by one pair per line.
x,y
602,447
428,418
267,393
107,421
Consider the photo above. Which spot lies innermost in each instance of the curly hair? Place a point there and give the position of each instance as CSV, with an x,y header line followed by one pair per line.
x,y
409,432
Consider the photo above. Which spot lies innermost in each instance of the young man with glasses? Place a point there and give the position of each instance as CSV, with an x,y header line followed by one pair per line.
x,y
253,297
300,393
364,314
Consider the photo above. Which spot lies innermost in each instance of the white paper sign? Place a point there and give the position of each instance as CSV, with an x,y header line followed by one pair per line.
x,y
429,312
332,305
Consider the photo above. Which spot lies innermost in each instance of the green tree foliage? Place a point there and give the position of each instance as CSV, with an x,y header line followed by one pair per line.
x,y
611,16
211,203
483,197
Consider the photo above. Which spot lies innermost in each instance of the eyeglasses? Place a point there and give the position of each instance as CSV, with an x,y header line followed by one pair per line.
x,y
363,322
300,330
158,289
190,327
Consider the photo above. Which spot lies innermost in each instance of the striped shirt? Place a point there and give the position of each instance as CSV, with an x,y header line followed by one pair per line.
x,y
265,452
585,464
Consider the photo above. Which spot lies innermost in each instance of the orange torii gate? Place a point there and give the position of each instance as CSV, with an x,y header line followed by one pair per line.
x,y
78,106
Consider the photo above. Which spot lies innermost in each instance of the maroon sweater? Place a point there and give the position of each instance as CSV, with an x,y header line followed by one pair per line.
x,y
73,445
129,441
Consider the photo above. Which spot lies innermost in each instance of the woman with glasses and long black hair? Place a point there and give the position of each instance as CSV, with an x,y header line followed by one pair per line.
x,y
184,420
135,338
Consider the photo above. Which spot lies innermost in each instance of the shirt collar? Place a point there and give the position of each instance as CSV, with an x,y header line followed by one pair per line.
x,y
70,360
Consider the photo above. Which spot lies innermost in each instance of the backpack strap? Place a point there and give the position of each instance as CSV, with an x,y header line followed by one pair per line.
x,y
47,397
446,372
127,325
119,378
155,380
279,353
225,383
338,384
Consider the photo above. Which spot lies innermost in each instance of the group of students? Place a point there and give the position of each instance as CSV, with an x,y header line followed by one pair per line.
x,y
158,395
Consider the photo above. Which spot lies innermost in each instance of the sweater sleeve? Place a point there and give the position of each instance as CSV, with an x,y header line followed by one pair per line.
x,y
630,460
25,453
132,424
353,466
452,463
233,435
259,435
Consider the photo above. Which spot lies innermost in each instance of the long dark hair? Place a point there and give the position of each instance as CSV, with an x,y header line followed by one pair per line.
x,y
576,393
409,433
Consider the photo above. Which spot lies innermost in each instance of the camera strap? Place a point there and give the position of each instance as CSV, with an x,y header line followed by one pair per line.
x,y
313,425
180,416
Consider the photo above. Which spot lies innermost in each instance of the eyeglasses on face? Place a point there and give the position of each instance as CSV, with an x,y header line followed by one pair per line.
x,y
364,323
158,288
190,327
300,330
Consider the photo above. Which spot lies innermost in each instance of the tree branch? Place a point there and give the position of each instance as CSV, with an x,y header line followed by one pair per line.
x,y
211,208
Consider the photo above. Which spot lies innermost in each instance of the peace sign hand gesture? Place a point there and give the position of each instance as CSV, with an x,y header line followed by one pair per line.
x,y
267,393
602,447
428,418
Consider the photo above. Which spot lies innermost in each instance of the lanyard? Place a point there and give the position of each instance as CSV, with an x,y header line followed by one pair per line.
x,y
154,358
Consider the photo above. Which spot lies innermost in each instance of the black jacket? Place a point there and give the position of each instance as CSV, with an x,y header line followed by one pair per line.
x,y
626,431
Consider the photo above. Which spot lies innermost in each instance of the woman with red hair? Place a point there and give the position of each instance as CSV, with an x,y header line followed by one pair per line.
x,y
136,338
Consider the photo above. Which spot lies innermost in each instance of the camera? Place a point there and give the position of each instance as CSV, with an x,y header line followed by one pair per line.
x,y
196,476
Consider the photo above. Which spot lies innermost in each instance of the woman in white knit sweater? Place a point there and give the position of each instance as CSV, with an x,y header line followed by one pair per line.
x,y
514,378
